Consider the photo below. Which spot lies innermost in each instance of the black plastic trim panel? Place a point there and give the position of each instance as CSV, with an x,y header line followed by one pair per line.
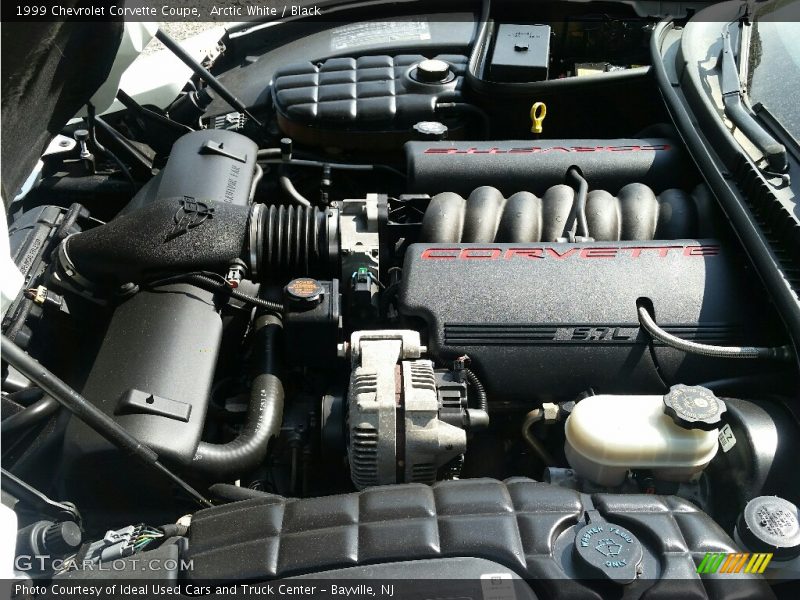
x,y
524,525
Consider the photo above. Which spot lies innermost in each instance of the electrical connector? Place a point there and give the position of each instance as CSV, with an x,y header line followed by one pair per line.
x,y
116,543
44,297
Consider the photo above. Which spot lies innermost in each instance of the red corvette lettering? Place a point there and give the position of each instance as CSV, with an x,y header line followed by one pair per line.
x,y
525,253
434,253
573,253
541,150
484,253
599,252
561,255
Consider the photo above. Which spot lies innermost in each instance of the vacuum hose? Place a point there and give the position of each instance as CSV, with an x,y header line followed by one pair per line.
x,y
582,189
264,413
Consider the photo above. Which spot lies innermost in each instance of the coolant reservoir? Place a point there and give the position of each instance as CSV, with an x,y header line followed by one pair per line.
x,y
609,434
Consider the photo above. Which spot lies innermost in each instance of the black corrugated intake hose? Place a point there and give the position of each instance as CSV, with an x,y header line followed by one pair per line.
x,y
264,414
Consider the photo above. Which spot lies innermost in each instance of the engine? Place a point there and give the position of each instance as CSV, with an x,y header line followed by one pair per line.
x,y
382,286
498,303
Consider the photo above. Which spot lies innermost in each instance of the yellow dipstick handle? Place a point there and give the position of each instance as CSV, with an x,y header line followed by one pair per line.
x,y
538,113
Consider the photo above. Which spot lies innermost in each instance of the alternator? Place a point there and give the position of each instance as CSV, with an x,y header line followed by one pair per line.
x,y
396,434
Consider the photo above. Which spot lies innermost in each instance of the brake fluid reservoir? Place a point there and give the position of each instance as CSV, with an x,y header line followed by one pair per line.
x,y
674,436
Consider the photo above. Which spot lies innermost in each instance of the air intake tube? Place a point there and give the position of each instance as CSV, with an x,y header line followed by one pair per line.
x,y
182,235
264,413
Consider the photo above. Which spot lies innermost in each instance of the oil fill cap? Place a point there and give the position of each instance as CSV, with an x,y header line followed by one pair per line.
x,y
694,407
608,550
770,524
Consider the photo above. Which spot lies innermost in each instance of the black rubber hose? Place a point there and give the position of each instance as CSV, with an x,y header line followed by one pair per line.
x,y
25,396
264,413
573,173
483,400
36,412
273,156
288,187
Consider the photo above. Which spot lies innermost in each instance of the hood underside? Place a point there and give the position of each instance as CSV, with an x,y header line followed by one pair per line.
x,y
49,70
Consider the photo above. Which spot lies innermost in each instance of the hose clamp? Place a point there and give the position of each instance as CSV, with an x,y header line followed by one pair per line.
x,y
68,268
256,234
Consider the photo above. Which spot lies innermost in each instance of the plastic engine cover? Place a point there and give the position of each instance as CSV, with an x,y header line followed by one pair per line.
x,y
537,530
549,321
375,100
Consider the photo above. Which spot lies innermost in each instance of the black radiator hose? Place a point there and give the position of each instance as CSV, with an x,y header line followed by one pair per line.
x,y
264,414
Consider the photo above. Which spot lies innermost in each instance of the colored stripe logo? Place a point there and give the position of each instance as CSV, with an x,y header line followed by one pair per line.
x,y
734,562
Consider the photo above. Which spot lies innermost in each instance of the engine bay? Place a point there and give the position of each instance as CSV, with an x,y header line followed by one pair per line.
x,y
479,275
